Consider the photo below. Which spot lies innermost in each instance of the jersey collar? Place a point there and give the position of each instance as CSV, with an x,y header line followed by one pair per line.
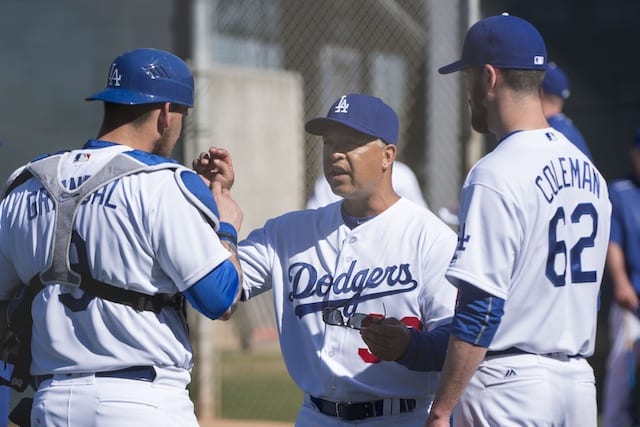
x,y
97,143
509,134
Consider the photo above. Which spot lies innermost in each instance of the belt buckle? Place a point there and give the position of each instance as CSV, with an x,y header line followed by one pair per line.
x,y
355,411
347,415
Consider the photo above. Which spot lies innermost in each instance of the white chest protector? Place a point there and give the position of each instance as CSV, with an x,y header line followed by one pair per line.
x,y
137,225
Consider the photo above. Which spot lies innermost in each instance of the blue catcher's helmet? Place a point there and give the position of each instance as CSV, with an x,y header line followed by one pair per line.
x,y
145,76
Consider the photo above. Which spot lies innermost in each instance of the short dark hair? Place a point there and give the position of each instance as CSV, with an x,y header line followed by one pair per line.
x,y
523,80
118,114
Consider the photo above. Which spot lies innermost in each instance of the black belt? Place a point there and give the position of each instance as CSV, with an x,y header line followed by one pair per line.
x,y
139,373
506,352
356,411
516,350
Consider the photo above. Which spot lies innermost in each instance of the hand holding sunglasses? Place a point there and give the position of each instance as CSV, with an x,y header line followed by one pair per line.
x,y
334,317
388,339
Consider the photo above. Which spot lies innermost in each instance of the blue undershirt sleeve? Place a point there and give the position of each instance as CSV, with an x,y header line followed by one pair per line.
x,y
215,293
478,315
427,350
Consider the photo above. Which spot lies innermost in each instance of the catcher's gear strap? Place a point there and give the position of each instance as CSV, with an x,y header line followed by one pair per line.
x,y
67,202
66,206
20,178
134,299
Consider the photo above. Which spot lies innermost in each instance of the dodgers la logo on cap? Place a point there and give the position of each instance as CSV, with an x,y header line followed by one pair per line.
x,y
364,113
503,41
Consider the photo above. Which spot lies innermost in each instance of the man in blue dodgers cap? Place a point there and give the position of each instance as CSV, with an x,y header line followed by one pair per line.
x,y
555,91
111,238
534,227
623,264
332,269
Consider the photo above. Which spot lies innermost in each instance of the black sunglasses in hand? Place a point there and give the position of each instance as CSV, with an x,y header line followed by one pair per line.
x,y
332,316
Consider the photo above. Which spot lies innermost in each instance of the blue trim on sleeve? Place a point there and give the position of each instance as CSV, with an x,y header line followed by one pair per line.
x,y
228,232
427,350
215,293
478,315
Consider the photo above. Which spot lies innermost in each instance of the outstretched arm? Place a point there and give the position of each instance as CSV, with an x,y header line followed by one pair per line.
x,y
392,340
231,217
216,295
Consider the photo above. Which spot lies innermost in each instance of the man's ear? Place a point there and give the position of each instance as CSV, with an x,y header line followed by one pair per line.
x,y
389,155
490,77
163,117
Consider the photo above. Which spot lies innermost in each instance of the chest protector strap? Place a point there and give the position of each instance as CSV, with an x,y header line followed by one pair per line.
x,y
67,203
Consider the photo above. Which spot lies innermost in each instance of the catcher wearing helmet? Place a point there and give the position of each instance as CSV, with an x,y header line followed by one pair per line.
x,y
111,238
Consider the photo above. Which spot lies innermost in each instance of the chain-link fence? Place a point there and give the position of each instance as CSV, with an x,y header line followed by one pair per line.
x,y
337,46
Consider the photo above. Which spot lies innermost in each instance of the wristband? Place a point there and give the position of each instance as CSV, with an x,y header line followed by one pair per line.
x,y
227,232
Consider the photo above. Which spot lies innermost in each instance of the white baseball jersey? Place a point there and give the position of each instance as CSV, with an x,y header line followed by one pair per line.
x,y
534,229
403,180
141,232
394,262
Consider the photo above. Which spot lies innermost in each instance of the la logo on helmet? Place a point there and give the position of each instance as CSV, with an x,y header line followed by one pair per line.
x,y
114,76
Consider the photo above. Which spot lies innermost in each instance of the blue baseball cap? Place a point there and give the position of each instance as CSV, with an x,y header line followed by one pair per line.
x,y
556,81
503,41
364,113
146,76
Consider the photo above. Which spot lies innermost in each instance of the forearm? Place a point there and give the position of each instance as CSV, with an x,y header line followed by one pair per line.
x,y
231,247
427,349
462,361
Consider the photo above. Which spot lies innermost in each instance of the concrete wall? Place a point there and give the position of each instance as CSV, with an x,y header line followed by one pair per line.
x,y
258,117
53,55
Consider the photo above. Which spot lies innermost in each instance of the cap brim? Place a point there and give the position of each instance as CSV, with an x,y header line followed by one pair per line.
x,y
319,126
123,96
453,67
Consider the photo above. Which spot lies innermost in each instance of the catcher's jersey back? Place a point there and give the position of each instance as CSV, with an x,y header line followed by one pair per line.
x,y
141,232
534,229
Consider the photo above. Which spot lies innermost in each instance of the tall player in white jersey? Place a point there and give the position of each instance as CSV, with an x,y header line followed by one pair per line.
x,y
331,269
534,228
110,238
